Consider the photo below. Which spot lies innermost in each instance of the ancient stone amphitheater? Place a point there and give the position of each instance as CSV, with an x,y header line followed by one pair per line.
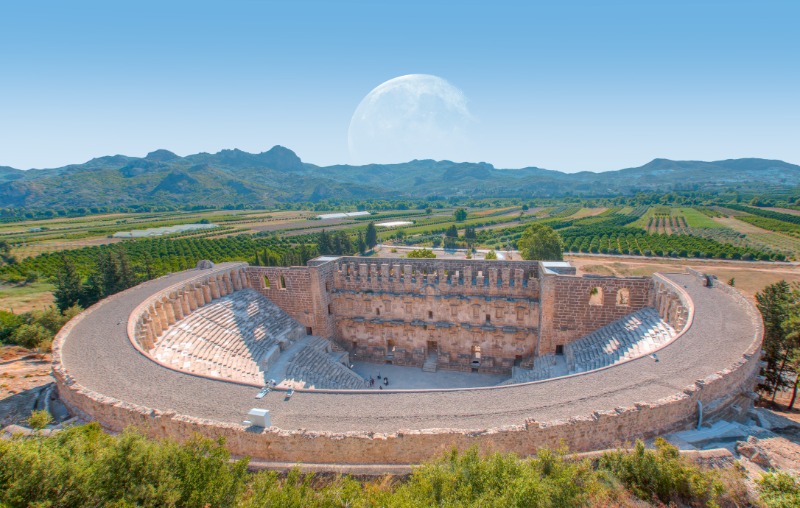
x,y
590,362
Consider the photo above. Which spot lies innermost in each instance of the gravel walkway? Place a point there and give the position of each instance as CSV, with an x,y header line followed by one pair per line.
x,y
99,356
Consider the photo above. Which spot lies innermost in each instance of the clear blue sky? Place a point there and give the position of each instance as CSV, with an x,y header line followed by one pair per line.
x,y
562,85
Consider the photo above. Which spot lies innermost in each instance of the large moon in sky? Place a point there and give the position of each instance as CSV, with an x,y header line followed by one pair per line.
x,y
417,116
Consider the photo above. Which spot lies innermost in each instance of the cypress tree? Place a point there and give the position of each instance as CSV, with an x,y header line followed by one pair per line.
x,y
371,237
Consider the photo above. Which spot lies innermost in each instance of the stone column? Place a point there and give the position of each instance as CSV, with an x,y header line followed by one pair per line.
x,y
184,296
169,312
468,276
161,318
177,308
199,295
493,280
207,295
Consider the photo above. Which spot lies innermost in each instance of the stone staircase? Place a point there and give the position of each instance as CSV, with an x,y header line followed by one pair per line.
x,y
635,335
544,367
430,362
318,366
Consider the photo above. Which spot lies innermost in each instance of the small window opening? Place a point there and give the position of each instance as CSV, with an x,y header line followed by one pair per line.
x,y
377,311
488,318
596,296
283,283
430,314
560,349
266,282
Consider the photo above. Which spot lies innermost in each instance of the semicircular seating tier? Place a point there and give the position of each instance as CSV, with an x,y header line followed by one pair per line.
x,y
635,335
242,336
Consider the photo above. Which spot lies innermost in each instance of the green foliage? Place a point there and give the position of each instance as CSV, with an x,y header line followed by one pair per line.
x,y
82,466
32,336
770,224
662,475
776,303
452,232
361,244
9,323
338,243
40,419
541,243
371,236
491,255
779,490
421,253
460,215
34,329
783,217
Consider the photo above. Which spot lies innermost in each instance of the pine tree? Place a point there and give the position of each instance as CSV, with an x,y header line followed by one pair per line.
x,y
774,304
68,290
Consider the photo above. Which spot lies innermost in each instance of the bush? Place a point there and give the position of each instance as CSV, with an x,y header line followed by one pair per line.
x,y
421,253
779,490
662,475
83,466
491,255
9,323
32,336
40,419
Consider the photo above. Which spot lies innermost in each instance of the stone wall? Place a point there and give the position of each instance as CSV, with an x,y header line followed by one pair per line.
x,y
480,315
601,429
447,276
576,306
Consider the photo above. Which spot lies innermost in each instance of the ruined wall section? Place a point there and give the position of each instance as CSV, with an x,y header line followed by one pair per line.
x,y
462,315
576,306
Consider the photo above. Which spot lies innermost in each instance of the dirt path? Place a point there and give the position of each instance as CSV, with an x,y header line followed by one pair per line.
x,y
22,376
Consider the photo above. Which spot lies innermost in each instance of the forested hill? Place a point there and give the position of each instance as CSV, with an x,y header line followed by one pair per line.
x,y
233,177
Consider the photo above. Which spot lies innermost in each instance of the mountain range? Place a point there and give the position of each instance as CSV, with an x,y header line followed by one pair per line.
x,y
232,177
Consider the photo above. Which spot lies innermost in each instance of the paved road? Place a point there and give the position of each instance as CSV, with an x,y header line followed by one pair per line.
x,y
98,355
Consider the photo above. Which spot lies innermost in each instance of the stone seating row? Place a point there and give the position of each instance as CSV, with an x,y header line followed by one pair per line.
x,y
235,337
635,335
316,366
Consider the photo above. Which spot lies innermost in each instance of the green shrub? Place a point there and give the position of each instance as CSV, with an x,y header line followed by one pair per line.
x,y
9,323
39,419
661,474
779,490
421,253
32,336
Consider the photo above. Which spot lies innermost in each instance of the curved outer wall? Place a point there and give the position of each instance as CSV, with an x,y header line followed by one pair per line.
x,y
600,429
